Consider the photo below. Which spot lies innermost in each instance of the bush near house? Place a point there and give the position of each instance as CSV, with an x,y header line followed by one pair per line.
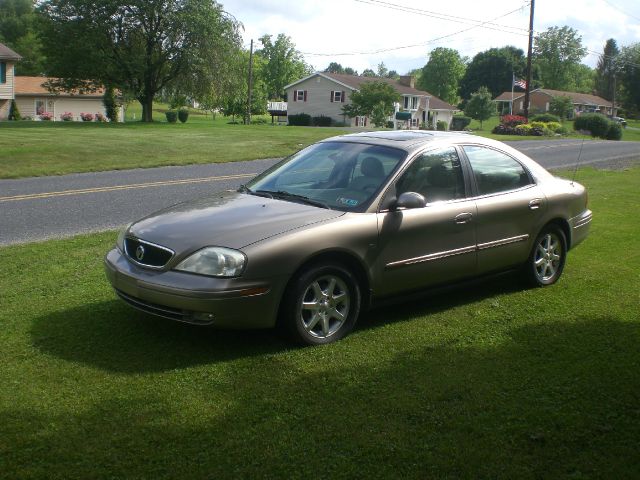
x,y
595,123
86,117
545,117
183,115
321,121
517,125
615,131
442,126
46,116
301,119
460,122
66,117
14,113
172,116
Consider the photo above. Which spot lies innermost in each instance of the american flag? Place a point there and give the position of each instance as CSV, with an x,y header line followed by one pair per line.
x,y
520,83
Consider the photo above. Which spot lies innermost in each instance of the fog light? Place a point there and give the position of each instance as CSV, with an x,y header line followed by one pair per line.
x,y
203,317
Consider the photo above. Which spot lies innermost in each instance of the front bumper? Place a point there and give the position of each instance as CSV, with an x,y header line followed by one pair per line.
x,y
580,226
228,303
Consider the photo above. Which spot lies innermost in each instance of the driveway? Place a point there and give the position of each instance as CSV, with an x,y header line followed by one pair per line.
x,y
34,209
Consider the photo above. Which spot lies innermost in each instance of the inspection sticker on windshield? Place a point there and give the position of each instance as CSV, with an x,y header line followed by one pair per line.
x,y
349,202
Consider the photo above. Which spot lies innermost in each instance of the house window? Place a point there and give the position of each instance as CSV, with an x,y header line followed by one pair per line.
x,y
415,101
41,107
411,103
3,72
361,121
337,96
299,95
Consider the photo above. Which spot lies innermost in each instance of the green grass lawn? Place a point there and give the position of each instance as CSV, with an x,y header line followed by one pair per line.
x,y
43,148
493,381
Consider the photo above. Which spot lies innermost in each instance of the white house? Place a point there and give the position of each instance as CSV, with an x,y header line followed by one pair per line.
x,y
323,93
8,59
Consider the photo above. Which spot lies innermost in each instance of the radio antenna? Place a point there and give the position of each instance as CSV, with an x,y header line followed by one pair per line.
x,y
577,162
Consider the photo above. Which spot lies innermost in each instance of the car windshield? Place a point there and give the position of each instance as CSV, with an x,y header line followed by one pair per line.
x,y
337,175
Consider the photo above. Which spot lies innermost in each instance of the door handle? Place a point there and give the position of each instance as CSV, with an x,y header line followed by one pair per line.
x,y
535,204
463,218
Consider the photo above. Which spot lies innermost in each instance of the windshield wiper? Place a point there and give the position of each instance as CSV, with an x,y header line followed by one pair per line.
x,y
259,193
283,195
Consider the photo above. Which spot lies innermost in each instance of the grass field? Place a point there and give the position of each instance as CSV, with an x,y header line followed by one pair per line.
x,y
43,148
494,381
56,148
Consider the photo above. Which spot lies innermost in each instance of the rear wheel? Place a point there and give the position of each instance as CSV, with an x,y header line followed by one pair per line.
x,y
547,257
321,305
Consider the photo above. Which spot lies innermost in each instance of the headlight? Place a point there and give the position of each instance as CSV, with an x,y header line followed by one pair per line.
x,y
121,235
214,261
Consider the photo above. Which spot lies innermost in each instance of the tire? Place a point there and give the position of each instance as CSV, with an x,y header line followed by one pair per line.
x,y
321,305
548,255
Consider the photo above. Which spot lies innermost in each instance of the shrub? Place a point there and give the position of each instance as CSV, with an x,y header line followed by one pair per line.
x,y
86,117
46,116
594,123
389,124
67,116
301,119
554,126
110,105
545,117
460,122
442,126
258,121
614,132
562,130
502,129
172,116
321,121
100,117
14,113
183,115
523,129
513,120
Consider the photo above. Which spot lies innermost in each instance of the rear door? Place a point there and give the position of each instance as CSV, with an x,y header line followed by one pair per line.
x,y
509,207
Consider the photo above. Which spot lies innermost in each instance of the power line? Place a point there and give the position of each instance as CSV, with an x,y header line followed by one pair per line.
x,y
433,40
620,10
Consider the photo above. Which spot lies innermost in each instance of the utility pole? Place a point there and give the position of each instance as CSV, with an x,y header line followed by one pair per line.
x,y
529,54
250,82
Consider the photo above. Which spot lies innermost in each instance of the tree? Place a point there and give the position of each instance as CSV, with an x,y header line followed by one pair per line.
x,y
18,30
480,106
629,61
334,68
139,47
283,64
376,97
606,70
350,71
442,74
584,79
383,71
367,72
562,106
494,69
557,54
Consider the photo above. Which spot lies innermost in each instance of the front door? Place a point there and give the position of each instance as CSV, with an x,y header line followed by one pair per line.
x,y
435,244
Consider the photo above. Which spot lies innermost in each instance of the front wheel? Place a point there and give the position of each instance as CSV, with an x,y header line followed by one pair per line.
x,y
547,257
321,305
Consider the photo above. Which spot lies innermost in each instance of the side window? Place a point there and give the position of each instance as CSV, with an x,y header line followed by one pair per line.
x,y
495,171
436,175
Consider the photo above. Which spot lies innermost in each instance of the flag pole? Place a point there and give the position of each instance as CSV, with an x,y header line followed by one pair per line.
x,y
513,81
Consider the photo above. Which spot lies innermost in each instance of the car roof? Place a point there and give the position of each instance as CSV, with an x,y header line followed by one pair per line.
x,y
406,139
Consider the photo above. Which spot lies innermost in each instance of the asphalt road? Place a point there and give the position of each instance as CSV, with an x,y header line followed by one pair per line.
x,y
34,209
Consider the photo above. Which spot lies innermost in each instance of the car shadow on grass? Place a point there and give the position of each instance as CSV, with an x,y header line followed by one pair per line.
x,y
114,337
557,399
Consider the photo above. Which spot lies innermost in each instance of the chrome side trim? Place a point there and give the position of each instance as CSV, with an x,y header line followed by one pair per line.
x,y
504,241
431,257
458,251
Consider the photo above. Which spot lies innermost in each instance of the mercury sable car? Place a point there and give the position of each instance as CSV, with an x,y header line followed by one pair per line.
x,y
318,238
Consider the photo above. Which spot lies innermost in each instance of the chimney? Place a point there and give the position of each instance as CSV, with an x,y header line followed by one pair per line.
x,y
408,81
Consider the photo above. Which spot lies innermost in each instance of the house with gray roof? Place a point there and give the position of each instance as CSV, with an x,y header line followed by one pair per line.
x,y
323,93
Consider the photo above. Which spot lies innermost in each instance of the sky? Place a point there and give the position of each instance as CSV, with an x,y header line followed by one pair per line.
x,y
363,33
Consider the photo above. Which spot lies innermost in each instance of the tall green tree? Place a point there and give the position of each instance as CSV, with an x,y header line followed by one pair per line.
x,y
480,106
19,31
283,64
139,47
367,72
442,74
334,67
494,69
376,97
584,78
606,70
628,62
558,52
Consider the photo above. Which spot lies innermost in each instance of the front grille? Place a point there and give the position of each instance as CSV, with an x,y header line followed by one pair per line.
x,y
147,254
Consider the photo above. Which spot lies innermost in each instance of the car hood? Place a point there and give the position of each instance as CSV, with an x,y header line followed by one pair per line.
x,y
228,219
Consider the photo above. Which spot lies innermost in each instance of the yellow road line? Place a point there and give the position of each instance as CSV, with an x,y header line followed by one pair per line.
x,y
82,191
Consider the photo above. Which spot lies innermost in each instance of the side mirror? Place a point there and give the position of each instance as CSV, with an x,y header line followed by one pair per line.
x,y
409,200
